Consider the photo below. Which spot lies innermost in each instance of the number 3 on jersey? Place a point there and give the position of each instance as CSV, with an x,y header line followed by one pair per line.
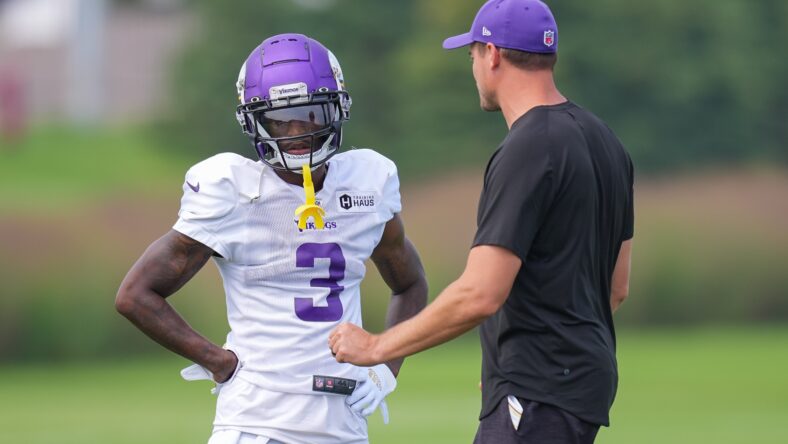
x,y
305,257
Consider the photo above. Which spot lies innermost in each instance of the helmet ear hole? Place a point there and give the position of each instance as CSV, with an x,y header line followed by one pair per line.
x,y
243,121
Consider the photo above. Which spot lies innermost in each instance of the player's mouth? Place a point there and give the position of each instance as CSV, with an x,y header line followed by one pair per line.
x,y
296,149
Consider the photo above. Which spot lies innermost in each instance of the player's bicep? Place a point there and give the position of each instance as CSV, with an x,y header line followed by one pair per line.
x,y
168,264
396,258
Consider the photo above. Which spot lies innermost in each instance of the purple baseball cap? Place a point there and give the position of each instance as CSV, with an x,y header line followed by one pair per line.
x,y
525,25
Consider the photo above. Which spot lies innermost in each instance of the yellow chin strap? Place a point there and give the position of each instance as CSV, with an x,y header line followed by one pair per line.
x,y
310,208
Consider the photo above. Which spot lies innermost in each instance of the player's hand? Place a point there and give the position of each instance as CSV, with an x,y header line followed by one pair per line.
x,y
372,391
351,343
196,372
228,368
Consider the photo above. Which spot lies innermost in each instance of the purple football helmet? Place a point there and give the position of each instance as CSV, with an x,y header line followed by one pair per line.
x,y
293,102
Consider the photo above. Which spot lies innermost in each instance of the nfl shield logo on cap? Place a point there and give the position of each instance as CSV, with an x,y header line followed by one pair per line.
x,y
524,25
549,38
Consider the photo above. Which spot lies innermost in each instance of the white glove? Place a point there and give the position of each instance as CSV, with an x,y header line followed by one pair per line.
x,y
371,392
196,372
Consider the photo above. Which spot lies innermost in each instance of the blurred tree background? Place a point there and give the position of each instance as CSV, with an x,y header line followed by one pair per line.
x,y
696,91
686,85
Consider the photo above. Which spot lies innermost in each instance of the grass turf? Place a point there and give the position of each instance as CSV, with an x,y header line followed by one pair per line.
x,y
711,385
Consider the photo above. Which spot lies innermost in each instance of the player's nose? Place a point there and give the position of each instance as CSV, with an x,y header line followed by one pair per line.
x,y
296,128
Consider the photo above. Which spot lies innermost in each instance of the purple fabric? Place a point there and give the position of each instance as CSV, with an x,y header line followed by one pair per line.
x,y
458,41
311,65
305,257
526,25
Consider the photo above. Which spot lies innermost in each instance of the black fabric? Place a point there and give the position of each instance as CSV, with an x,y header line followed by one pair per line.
x,y
540,423
557,193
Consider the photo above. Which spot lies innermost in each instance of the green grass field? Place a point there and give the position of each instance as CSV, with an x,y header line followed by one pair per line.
x,y
713,385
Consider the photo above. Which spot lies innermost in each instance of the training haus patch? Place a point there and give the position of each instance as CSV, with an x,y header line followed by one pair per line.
x,y
357,201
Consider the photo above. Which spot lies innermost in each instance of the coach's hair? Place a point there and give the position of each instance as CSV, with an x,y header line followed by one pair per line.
x,y
528,61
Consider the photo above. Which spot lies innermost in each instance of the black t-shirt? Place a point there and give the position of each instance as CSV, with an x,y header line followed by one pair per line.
x,y
558,194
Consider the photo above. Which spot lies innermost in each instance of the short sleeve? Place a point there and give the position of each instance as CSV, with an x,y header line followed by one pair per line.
x,y
209,197
518,187
391,200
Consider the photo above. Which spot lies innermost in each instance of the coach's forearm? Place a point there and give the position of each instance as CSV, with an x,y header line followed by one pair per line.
x,y
155,317
459,308
404,306
480,291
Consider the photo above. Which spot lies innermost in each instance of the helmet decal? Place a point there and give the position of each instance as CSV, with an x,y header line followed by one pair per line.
x,y
337,70
240,85
296,92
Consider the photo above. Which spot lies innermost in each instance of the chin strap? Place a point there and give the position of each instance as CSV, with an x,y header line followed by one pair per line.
x,y
310,208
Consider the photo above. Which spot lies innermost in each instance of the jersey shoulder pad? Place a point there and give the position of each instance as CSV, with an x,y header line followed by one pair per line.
x,y
371,171
371,160
214,186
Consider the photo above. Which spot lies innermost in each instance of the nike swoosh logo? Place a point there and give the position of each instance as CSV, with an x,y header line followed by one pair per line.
x,y
195,188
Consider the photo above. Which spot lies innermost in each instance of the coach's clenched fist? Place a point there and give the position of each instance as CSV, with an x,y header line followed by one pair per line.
x,y
351,343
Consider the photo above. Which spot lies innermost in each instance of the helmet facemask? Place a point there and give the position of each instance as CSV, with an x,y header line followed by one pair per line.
x,y
297,130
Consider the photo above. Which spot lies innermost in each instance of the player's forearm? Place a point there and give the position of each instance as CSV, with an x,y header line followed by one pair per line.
x,y
403,306
155,317
456,310
398,262
165,267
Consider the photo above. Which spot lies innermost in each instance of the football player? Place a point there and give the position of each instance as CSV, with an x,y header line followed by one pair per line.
x,y
289,277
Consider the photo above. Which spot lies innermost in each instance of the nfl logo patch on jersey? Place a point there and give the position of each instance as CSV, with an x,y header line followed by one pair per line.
x,y
357,201
549,38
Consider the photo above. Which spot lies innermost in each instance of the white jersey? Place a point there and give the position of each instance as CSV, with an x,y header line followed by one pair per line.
x,y
287,289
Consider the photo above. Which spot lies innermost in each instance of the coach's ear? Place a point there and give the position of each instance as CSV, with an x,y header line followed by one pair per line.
x,y
494,55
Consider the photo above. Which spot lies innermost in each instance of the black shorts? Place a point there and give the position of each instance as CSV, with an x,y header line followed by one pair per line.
x,y
540,423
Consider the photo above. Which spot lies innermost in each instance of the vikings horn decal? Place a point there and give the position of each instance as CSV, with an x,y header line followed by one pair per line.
x,y
337,71
240,85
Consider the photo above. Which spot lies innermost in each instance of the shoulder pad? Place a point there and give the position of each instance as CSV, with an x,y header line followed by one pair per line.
x,y
380,163
214,186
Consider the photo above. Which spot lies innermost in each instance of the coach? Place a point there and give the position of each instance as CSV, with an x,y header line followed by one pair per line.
x,y
551,257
